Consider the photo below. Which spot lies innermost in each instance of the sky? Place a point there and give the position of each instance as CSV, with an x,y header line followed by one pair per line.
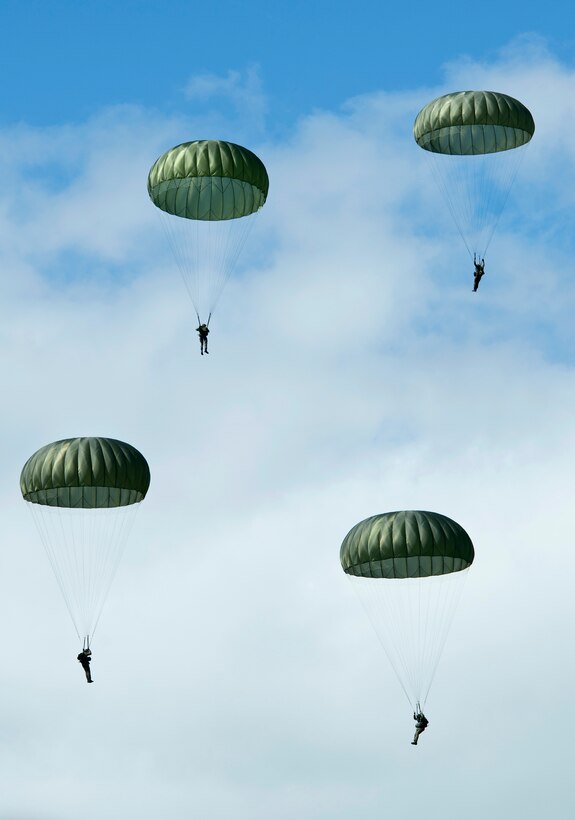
x,y
351,371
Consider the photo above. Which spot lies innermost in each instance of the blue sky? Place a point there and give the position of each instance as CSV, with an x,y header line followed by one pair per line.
x,y
351,371
62,61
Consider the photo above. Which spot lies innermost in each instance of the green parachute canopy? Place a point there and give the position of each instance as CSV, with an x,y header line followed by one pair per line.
x,y
406,544
475,141
208,180
87,473
473,122
216,188
408,569
83,494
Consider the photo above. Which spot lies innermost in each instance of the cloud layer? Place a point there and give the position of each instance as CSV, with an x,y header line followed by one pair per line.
x,y
352,371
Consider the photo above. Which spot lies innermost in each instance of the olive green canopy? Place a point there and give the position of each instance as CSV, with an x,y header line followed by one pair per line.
x,y
208,180
473,122
85,473
406,544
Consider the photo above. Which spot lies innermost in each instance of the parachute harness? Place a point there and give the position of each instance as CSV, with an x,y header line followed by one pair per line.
x,y
200,321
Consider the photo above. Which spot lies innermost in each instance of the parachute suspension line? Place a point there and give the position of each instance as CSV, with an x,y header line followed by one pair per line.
x,y
447,608
122,521
435,609
507,190
426,646
476,189
396,611
443,185
411,624
176,236
421,638
41,524
398,665
206,252
235,235
401,617
84,548
410,616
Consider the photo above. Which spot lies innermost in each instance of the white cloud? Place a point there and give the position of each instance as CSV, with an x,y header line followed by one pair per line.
x,y
351,371
241,90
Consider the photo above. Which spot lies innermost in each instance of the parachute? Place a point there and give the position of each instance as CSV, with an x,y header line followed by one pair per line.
x,y
408,569
83,493
477,140
215,188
